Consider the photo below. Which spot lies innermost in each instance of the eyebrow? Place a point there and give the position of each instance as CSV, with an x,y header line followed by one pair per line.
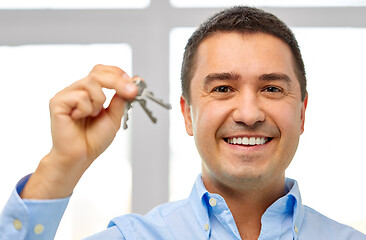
x,y
235,76
274,77
221,76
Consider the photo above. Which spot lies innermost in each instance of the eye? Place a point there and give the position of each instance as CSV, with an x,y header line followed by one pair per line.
x,y
222,89
272,89
273,92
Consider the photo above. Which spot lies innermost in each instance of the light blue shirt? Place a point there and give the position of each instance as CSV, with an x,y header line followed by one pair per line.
x,y
202,216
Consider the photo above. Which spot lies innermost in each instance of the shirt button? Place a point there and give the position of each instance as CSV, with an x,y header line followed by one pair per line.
x,y
212,202
206,227
38,229
296,230
17,224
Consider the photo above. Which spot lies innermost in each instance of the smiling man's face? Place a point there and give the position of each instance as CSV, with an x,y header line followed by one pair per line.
x,y
246,113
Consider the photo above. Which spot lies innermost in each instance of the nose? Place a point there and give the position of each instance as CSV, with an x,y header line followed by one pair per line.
x,y
248,109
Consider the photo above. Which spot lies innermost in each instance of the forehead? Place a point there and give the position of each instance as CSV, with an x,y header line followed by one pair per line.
x,y
244,53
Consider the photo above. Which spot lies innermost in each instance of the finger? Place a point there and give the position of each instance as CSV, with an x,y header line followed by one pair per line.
x,y
96,95
117,105
84,107
76,104
116,109
137,78
114,78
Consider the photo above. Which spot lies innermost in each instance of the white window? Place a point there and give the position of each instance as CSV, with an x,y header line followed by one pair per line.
x,y
185,162
330,157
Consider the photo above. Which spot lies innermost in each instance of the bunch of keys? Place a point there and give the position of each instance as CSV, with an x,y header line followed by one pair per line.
x,y
142,95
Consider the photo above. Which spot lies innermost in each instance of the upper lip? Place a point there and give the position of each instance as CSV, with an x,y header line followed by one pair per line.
x,y
247,136
239,131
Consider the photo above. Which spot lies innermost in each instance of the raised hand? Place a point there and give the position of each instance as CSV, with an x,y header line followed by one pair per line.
x,y
81,130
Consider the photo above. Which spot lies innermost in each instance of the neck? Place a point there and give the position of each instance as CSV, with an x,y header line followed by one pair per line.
x,y
247,205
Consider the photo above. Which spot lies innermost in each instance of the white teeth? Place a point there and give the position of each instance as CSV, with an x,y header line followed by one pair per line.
x,y
248,141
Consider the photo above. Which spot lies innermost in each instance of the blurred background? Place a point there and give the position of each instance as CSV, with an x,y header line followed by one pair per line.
x,y
47,45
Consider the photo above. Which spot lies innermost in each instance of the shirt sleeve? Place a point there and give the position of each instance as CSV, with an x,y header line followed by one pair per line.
x,y
23,219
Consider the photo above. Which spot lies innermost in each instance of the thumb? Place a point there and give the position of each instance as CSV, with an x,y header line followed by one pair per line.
x,y
116,109
117,105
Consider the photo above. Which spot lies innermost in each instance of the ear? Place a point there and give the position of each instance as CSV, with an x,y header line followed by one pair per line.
x,y
303,108
186,111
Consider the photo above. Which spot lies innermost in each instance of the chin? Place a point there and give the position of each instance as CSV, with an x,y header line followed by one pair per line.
x,y
243,177
248,177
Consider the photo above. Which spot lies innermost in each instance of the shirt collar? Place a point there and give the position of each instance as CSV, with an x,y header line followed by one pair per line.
x,y
290,203
287,207
298,208
198,204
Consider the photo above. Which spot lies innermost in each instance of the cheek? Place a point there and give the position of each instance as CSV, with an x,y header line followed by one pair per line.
x,y
208,117
288,120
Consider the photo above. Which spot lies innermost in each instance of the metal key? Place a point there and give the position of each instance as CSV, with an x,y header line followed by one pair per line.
x,y
151,96
125,115
142,95
148,112
143,92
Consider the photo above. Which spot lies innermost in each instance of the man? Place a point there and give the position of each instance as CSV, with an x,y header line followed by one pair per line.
x,y
244,100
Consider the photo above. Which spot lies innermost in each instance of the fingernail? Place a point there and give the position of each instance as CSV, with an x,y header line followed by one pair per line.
x,y
130,88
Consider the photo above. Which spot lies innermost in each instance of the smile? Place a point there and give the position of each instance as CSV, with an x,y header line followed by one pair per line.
x,y
247,141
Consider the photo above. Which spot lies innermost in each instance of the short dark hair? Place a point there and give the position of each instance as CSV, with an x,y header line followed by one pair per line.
x,y
243,20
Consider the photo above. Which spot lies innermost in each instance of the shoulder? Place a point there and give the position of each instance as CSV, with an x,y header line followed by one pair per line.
x,y
317,224
168,209
159,214
162,222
